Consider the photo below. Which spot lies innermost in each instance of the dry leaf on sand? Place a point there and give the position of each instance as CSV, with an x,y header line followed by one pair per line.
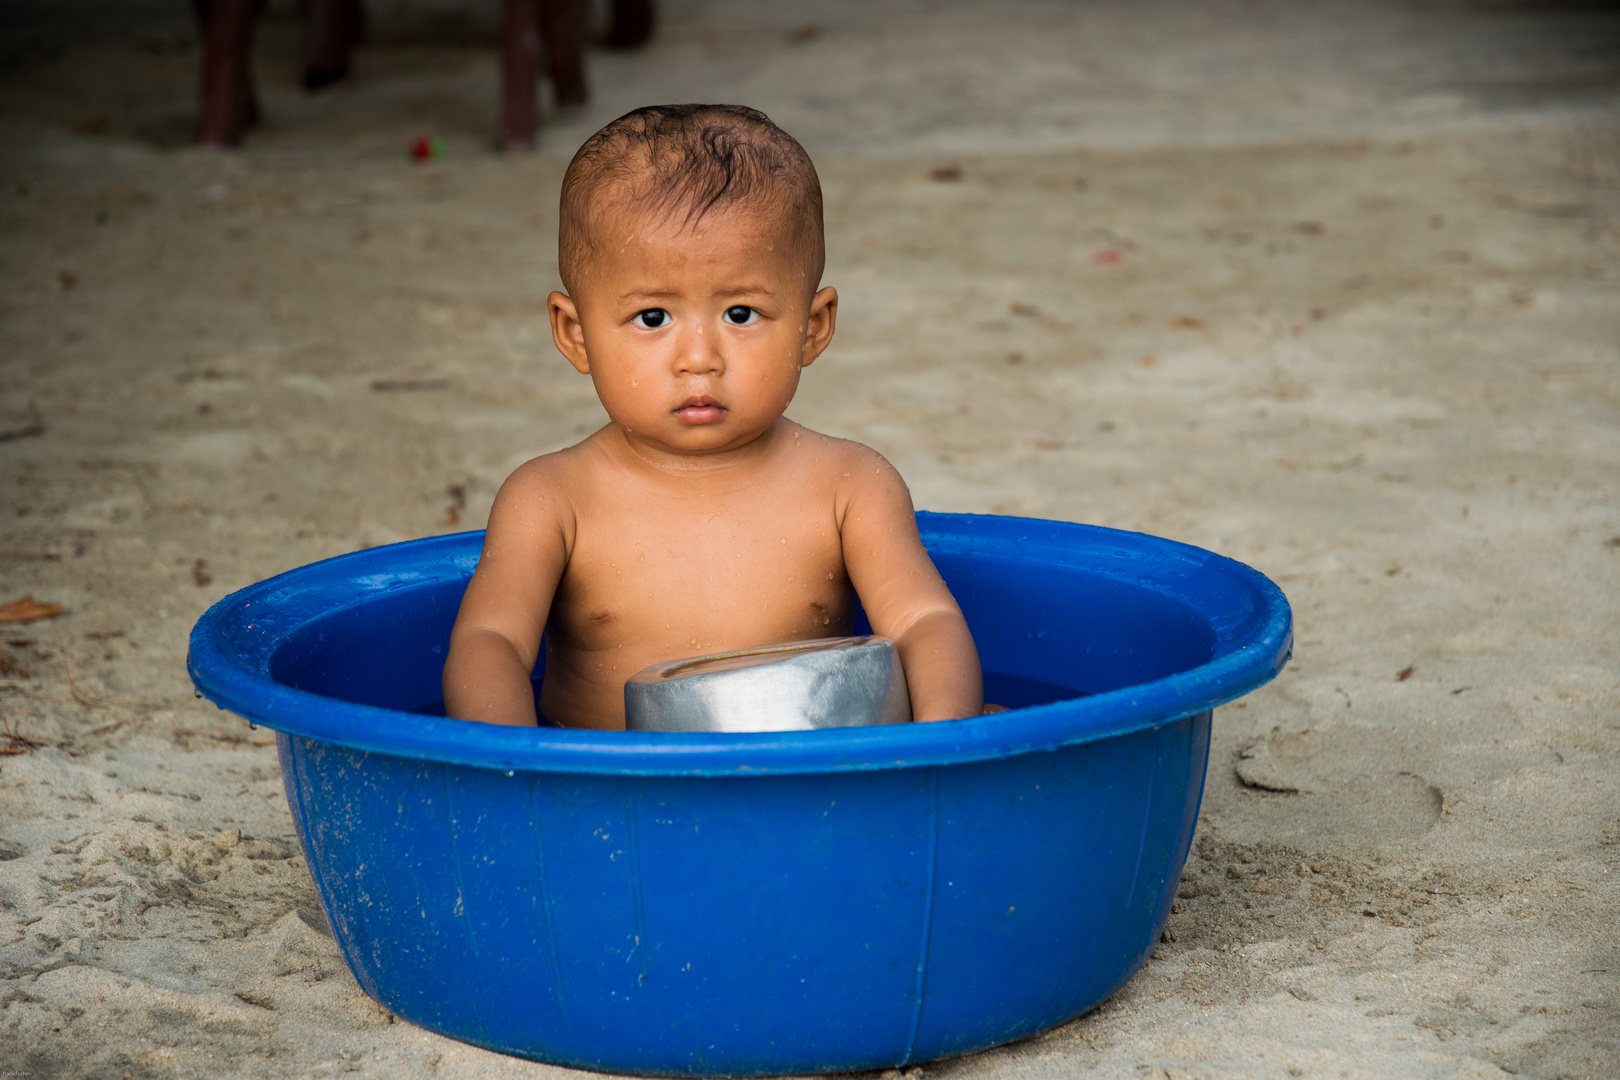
x,y
27,609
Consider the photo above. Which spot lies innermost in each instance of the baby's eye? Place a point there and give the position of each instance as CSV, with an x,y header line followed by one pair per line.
x,y
740,315
651,319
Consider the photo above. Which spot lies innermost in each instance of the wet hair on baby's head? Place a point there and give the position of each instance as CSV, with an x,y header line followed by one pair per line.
x,y
685,162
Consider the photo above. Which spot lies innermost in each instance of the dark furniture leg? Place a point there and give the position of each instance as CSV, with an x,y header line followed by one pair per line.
x,y
227,102
520,66
632,24
560,25
332,28
562,28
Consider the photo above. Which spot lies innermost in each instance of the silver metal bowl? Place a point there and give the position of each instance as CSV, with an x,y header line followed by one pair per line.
x,y
823,683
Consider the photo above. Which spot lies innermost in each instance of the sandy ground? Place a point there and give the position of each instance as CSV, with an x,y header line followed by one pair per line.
x,y
1331,290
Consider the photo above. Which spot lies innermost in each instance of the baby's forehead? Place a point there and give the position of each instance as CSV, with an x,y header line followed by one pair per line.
x,y
637,250
626,209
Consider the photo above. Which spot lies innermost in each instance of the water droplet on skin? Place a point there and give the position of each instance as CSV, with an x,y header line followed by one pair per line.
x,y
829,575
826,620
784,539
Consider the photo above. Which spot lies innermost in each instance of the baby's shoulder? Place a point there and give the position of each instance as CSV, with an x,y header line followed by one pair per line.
x,y
551,483
830,448
851,465
554,472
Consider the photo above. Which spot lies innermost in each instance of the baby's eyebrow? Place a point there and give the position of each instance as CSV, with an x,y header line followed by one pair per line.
x,y
745,288
730,292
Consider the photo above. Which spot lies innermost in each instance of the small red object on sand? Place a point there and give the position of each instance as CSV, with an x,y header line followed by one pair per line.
x,y
427,148
1105,257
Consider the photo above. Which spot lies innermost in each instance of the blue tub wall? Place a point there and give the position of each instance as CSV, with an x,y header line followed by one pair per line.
x,y
388,651
968,939
1101,634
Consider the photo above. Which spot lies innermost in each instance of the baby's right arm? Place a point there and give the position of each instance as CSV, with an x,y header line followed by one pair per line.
x,y
497,634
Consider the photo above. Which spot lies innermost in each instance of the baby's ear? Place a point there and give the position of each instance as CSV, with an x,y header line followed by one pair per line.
x,y
819,326
567,331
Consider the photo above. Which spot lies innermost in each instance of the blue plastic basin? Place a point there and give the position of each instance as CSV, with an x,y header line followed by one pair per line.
x,y
763,903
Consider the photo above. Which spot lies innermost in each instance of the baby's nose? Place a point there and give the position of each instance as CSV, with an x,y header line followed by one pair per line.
x,y
701,354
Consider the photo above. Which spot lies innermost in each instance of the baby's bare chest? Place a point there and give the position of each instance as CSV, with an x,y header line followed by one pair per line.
x,y
720,574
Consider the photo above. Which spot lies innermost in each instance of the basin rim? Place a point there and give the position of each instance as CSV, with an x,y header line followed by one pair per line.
x,y
230,656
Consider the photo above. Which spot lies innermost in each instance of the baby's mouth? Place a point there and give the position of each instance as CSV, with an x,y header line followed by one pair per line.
x,y
700,410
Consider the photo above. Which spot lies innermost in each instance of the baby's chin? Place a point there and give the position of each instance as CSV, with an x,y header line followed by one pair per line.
x,y
705,438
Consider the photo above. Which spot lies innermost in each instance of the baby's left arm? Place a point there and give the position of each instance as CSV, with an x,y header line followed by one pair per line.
x,y
904,596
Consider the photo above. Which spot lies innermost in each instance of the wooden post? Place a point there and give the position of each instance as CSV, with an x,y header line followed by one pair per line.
x,y
227,103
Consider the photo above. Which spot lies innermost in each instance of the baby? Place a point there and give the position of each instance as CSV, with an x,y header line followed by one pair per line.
x,y
699,519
